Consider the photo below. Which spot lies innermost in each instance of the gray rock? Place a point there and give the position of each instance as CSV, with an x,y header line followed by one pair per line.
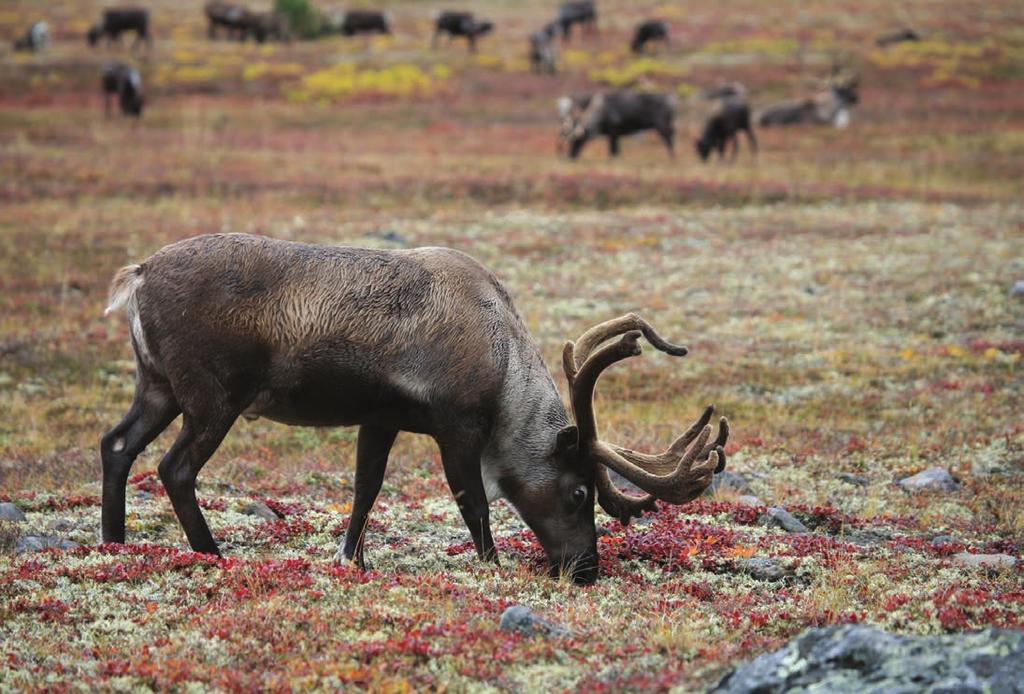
x,y
855,480
261,510
62,525
763,568
749,500
729,480
522,620
934,479
38,543
867,660
940,540
984,561
777,517
10,512
1017,289
867,537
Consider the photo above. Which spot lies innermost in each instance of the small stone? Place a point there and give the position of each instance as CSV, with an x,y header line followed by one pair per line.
x,y
1017,289
984,561
764,569
935,479
522,620
39,543
729,480
867,537
940,540
10,512
62,525
749,500
855,480
777,517
261,510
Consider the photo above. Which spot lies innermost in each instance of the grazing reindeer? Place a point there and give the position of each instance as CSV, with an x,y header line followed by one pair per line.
x,y
732,116
123,82
460,24
36,38
614,115
422,340
115,22
582,12
542,50
647,32
364,22
241,23
830,107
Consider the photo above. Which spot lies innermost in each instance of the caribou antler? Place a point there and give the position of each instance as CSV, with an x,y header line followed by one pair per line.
x,y
677,475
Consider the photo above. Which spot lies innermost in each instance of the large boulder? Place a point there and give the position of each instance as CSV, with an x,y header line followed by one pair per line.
x,y
867,660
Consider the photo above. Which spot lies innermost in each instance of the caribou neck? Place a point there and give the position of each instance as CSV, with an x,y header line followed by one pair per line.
x,y
528,421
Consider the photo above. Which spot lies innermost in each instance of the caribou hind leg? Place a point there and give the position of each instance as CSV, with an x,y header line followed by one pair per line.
x,y
372,451
152,411
207,419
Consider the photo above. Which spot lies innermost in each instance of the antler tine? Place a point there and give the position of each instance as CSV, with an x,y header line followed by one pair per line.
x,y
602,332
666,462
617,503
683,484
677,475
585,379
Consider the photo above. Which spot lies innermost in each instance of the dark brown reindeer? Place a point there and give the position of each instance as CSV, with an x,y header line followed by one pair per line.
x,y
422,340
614,115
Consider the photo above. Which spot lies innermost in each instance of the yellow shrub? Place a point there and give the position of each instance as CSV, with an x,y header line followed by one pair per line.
x,y
345,81
633,71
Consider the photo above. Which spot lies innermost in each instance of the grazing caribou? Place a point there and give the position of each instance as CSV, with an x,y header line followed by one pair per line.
x,y
241,23
830,107
122,81
647,32
897,36
460,24
542,50
35,39
364,22
582,12
422,340
117,21
723,126
615,115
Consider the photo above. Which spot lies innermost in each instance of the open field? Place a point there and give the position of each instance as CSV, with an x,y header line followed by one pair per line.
x,y
845,301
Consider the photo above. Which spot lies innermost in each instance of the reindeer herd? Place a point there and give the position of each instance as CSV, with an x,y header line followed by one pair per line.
x,y
609,114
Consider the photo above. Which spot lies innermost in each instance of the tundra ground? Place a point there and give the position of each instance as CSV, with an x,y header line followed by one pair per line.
x,y
845,299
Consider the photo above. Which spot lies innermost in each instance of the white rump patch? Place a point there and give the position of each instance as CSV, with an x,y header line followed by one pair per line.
x,y
564,106
842,118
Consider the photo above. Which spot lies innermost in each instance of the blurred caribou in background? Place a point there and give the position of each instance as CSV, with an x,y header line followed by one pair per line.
x,y
124,82
542,50
582,12
241,23
456,23
35,39
647,32
117,21
731,115
829,107
614,115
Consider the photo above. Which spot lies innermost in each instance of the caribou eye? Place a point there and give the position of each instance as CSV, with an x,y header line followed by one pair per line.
x,y
579,496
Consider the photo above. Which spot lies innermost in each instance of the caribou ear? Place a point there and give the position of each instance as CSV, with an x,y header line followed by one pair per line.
x,y
567,438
